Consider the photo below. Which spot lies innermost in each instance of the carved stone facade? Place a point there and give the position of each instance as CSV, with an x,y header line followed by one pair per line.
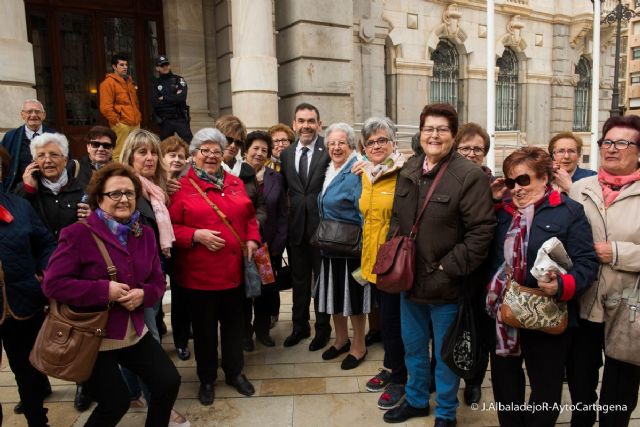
x,y
355,58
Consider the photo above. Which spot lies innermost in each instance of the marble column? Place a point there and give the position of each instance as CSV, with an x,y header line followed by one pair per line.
x,y
17,73
185,44
254,68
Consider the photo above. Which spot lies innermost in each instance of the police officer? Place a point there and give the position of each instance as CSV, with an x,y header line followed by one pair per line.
x,y
169,101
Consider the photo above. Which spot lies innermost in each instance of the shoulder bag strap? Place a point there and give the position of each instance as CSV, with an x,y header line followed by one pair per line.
x,y
221,214
432,188
111,269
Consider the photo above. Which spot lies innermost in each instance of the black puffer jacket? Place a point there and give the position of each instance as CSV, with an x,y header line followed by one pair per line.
x,y
455,231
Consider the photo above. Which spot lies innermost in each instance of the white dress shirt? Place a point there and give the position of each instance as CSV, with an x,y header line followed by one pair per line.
x,y
29,133
311,148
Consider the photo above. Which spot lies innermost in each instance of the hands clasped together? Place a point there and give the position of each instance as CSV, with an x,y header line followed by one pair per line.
x,y
130,299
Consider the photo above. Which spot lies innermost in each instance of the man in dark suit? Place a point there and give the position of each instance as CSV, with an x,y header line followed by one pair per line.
x,y
303,166
17,141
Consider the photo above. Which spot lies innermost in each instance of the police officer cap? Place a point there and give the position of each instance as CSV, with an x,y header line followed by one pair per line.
x,y
162,60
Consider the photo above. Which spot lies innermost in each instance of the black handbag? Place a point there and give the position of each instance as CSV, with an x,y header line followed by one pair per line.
x,y
338,238
462,348
283,276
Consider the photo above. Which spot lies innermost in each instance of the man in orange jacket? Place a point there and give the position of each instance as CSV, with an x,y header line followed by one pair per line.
x,y
119,101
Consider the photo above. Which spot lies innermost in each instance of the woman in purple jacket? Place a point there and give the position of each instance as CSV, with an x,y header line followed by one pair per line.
x,y
77,275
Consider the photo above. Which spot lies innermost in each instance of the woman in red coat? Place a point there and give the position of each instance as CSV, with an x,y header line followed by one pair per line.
x,y
208,260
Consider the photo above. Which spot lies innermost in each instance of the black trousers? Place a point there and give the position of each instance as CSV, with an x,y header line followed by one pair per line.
x,y
544,357
18,337
169,127
392,335
180,315
208,308
305,266
620,380
106,386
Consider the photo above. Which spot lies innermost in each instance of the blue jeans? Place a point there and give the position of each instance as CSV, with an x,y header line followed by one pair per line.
x,y
416,319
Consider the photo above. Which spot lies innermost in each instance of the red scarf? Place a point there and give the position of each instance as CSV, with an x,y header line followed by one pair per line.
x,y
612,185
5,215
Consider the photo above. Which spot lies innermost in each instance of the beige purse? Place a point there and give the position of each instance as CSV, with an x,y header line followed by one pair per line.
x,y
622,325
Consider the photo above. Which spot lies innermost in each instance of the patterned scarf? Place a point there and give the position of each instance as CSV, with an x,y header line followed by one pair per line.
x,y
119,229
514,267
392,163
612,185
217,179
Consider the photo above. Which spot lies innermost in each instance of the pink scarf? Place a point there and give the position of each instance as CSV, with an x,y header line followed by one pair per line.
x,y
612,185
156,197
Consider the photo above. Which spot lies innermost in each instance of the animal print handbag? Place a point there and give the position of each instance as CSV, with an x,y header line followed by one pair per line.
x,y
530,308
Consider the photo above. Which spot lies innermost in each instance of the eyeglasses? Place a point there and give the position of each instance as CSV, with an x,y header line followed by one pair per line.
x,y
429,130
564,152
521,180
52,156
210,153
98,144
117,195
621,144
281,142
234,141
466,150
337,143
379,142
30,112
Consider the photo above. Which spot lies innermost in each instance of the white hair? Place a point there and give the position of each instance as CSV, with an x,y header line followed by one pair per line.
x,y
207,135
32,101
46,138
342,127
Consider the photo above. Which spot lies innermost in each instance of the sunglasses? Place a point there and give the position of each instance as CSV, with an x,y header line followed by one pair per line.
x,y
98,144
237,142
522,181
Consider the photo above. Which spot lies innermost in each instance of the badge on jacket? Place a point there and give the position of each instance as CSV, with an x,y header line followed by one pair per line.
x,y
159,87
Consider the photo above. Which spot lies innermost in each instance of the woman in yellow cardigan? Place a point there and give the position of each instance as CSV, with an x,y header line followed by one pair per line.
x,y
378,186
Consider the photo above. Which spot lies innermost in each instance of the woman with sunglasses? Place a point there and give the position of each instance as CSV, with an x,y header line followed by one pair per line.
x,y
611,202
100,142
566,148
534,214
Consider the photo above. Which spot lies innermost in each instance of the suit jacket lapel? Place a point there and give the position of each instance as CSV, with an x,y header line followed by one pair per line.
x,y
268,181
291,157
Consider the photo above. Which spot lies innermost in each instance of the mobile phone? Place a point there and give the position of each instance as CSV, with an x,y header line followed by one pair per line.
x,y
36,174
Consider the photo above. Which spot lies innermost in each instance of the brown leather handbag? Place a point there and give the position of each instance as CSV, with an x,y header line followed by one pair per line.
x,y
395,261
68,342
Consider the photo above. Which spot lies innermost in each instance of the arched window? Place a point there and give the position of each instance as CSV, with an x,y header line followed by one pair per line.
x,y
507,92
582,97
444,84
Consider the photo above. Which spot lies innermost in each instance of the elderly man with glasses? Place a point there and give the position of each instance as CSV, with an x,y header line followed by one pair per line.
x,y
17,141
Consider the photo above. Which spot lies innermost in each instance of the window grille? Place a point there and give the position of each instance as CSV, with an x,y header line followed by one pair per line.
x,y
444,84
582,97
507,92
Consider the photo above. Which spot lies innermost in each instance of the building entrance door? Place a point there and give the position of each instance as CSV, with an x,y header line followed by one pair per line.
x,y
72,49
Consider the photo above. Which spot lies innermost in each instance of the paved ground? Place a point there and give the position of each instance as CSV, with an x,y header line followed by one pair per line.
x,y
294,387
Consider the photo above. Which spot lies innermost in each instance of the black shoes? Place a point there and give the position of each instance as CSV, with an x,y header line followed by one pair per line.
x,y
472,394
81,402
241,384
266,340
183,353
441,422
319,341
333,352
295,337
403,412
206,394
372,337
247,344
350,362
